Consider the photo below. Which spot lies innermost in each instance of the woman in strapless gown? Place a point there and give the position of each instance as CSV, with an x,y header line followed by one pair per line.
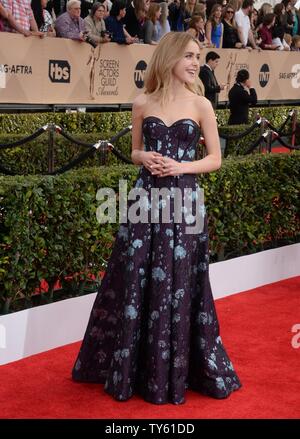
x,y
153,329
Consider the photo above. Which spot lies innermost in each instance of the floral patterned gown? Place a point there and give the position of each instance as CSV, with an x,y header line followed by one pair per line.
x,y
153,328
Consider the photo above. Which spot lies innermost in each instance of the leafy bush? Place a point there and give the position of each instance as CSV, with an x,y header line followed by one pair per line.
x,y
97,123
32,158
276,115
48,227
239,146
90,127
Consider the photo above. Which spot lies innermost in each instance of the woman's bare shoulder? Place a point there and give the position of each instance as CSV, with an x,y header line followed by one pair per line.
x,y
140,100
202,103
204,109
139,104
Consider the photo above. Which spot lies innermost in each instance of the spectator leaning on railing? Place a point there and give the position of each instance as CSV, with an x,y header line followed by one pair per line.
x,y
230,33
95,25
214,27
295,46
288,17
266,33
70,24
243,24
296,18
135,18
278,28
3,16
163,25
151,28
114,24
43,17
197,29
20,18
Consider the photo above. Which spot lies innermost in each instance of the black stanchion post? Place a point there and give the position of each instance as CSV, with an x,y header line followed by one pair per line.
x,y
225,147
294,125
263,125
51,130
103,153
269,141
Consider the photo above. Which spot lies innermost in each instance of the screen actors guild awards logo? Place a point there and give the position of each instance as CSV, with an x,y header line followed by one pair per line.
x,y
108,76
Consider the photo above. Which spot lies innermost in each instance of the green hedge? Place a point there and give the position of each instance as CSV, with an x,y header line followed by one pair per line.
x,y
48,227
276,115
239,146
111,121
72,122
32,158
89,127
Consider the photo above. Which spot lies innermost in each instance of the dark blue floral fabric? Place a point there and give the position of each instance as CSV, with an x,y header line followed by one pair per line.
x,y
153,328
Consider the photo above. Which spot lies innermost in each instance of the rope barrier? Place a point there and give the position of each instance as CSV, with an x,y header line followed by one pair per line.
x,y
281,128
91,151
241,135
114,150
101,144
32,136
108,145
256,124
256,143
283,143
118,154
92,148
71,139
277,137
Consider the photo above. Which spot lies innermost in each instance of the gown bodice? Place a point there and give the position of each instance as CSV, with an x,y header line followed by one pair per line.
x,y
177,141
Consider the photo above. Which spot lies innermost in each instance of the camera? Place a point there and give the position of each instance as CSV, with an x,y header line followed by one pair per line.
x,y
106,33
89,40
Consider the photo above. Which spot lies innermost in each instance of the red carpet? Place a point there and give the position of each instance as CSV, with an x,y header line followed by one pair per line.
x,y
256,330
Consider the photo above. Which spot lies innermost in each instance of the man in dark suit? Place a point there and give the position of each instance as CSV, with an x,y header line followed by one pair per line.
x,y
240,96
207,76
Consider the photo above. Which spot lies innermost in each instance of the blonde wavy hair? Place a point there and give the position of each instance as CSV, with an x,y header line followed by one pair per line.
x,y
169,51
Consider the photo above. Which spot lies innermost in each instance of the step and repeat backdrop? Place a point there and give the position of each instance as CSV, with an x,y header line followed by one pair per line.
x,y
37,70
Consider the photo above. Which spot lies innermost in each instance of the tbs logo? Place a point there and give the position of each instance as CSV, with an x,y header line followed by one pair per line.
x,y
59,71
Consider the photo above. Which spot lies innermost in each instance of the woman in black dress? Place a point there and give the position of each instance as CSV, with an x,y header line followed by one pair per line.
x,y
230,33
153,329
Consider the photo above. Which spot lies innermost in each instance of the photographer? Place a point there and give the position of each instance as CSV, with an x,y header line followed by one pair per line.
x,y
95,25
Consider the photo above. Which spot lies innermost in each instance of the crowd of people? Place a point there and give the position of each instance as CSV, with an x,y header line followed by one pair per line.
x,y
215,23
228,24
